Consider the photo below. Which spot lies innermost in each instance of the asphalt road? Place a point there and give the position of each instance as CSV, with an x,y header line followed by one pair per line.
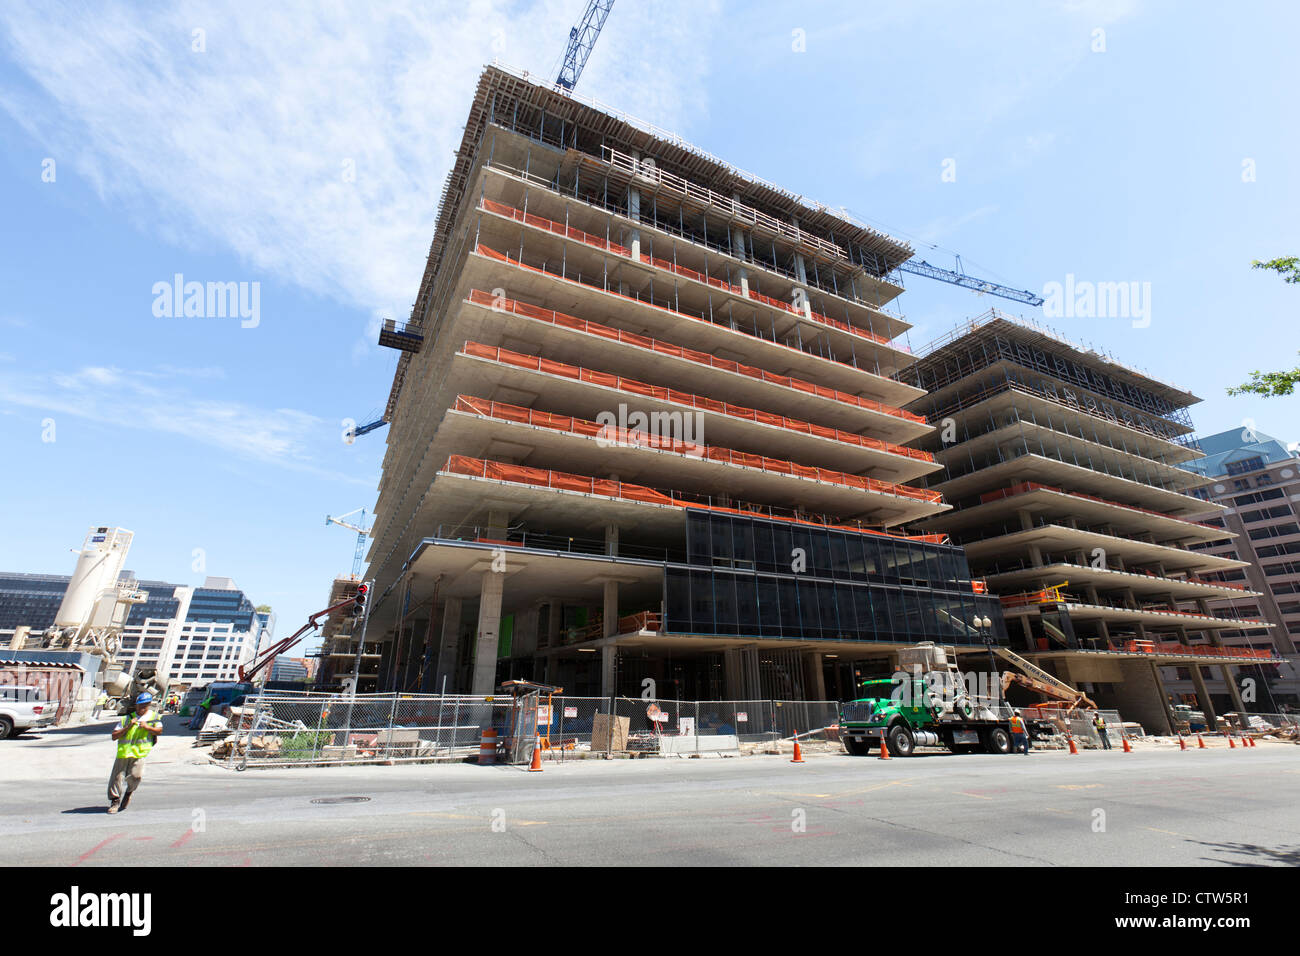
x,y
1161,807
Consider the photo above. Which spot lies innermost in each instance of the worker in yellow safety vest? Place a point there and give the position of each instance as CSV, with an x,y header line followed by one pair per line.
x,y
135,735
1019,734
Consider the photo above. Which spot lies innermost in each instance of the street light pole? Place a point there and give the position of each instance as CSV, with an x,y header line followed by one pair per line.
x,y
984,627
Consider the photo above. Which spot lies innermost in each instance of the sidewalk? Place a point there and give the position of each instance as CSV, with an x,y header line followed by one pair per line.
x,y
87,750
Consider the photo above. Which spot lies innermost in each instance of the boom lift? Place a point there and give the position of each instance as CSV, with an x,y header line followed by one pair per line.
x,y
247,671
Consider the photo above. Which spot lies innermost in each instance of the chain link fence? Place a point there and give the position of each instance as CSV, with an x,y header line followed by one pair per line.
x,y
275,729
297,730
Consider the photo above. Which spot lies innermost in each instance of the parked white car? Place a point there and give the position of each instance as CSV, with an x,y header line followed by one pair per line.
x,y
24,708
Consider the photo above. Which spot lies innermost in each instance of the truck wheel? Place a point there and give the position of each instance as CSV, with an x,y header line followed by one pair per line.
x,y
6,728
857,748
998,741
901,741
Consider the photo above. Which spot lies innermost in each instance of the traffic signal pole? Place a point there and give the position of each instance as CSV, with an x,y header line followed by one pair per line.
x,y
362,602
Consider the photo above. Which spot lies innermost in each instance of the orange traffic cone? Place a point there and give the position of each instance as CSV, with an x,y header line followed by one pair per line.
x,y
1073,748
537,760
884,749
1182,742
1231,745
1127,748
1252,741
1200,744
798,753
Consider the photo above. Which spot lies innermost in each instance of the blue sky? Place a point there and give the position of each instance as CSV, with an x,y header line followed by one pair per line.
x,y
304,147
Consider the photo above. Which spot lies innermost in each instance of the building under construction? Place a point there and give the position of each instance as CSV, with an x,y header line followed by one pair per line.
x,y
1066,473
646,424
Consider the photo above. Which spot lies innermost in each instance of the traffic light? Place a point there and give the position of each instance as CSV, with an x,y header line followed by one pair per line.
x,y
359,607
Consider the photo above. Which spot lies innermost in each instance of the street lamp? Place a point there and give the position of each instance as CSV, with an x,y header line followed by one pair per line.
x,y
984,627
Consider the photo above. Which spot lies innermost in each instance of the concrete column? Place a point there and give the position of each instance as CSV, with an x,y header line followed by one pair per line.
x,y
1233,690
488,634
733,681
553,621
611,540
448,645
611,608
607,664
1203,695
738,251
1030,643
816,676
1026,520
497,524
1141,696
1036,555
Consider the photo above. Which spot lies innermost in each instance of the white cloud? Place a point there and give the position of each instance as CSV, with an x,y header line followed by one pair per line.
x,y
124,398
248,143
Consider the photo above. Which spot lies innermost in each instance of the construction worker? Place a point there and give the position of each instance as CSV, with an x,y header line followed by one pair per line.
x,y
1100,723
201,712
100,703
1019,734
135,734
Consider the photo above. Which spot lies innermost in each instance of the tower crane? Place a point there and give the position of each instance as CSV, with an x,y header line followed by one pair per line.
x,y
958,276
362,531
581,39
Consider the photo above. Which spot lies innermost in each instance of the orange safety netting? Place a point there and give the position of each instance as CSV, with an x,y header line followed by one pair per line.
x,y
1203,650
550,225
560,229
622,436
504,257
479,297
541,477
1024,487
533,362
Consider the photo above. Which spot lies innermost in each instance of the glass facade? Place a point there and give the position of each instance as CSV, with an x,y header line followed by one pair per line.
x,y
212,606
749,577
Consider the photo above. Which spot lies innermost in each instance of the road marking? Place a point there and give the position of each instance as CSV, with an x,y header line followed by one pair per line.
x,y
97,847
1167,832
188,835
480,817
1077,786
977,796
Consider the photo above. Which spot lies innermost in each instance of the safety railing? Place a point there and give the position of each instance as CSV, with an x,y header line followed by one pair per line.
x,y
854,331
544,478
1025,487
967,400
560,229
636,437
480,297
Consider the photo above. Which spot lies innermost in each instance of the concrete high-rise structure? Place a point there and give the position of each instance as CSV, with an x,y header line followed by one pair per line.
x,y
1257,479
1064,470
645,426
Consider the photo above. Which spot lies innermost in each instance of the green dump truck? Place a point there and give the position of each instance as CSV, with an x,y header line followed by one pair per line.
x,y
925,704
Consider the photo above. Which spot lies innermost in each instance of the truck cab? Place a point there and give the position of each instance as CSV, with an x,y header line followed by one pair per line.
x,y
905,712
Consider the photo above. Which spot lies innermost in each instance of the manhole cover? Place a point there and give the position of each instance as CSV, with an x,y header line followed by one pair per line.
x,y
341,800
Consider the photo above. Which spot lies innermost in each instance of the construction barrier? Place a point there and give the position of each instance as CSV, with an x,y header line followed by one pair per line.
x,y
479,297
662,393
544,478
272,729
577,426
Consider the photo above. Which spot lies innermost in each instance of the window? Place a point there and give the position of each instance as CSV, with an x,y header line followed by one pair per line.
x,y
1246,464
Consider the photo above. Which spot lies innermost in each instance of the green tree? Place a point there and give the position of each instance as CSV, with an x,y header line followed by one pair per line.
x,y
1273,384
